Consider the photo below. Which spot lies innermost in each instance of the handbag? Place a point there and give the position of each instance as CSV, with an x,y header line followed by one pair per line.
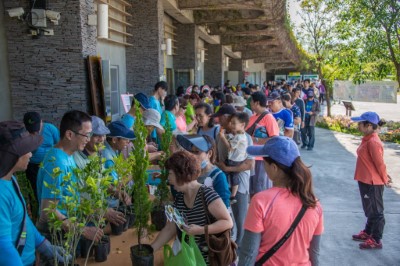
x,y
189,255
285,237
221,248
251,129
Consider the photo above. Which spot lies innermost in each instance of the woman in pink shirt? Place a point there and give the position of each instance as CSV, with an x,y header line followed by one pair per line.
x,y
181,125
273,211
371,176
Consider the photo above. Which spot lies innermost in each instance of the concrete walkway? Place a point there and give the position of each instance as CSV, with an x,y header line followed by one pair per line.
x,y
333,161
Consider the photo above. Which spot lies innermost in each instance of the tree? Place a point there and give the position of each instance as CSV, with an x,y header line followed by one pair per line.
x,y
317,34
378,24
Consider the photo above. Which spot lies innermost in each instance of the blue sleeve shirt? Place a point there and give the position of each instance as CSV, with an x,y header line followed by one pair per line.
x,y
296,111
56,158
51,136
11,218
128,120
284,118
172,120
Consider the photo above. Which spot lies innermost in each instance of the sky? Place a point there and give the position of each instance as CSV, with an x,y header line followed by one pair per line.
x,y
293,8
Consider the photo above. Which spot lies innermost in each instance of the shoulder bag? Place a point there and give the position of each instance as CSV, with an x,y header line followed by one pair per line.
x,y
285,237
221,248
251,129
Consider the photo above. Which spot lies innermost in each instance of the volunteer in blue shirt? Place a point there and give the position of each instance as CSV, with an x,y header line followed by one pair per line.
x,y
155,100
283,116
171,109
19,239
129,118
51,136
117,140
75,131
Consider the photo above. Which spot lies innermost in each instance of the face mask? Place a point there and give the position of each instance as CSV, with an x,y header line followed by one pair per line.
x,y
204,164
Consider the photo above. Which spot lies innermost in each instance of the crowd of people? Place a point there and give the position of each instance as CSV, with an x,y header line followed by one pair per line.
x,y
232,146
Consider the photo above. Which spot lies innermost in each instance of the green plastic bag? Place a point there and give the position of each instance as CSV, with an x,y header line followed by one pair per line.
x,y
189,255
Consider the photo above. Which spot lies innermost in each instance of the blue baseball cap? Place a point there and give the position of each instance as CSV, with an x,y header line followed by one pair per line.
x,y
189,141
371,117
119,130
143,100
275,95
310,94
280,149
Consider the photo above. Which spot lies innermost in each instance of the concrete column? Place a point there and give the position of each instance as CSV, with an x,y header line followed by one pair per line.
x,y
214,65
187,48
49,74
237,65
144,60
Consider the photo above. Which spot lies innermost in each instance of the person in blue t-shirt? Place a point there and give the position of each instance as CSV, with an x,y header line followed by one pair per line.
x,y
155,101
19,238
129,118
117,140
75,132
283,116
312,109
171,109
51,136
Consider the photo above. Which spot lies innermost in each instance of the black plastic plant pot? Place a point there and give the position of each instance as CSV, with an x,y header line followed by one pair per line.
x,y
117,229
142,255
102,249
85,246
158,219
130,216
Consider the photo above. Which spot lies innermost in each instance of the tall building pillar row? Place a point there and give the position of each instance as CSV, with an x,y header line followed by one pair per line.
x,y
145,60
214,65
237,65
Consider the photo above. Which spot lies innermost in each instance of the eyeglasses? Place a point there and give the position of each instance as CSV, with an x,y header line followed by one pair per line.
x,y
88,135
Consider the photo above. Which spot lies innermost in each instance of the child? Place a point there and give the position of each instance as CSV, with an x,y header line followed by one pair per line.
x,y
236,142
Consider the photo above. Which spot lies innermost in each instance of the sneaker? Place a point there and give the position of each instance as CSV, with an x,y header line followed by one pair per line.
x,y
309,149
362,236
303,146
370,243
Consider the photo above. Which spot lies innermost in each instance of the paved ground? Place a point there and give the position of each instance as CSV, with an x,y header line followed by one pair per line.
x,y
333,160
388,111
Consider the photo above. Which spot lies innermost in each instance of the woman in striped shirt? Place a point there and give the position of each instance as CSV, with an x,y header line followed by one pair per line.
x,y
184,170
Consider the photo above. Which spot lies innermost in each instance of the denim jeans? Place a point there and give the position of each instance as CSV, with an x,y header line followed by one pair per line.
x,y
239,212
308,136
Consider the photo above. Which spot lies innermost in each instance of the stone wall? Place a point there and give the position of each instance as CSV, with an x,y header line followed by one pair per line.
x,y
49,74
214,65
144,60
237,65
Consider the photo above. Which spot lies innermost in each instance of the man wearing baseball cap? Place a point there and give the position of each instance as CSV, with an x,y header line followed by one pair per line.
x,y
51,136
129,118
94,145
312,109
117,140
283,116
19,238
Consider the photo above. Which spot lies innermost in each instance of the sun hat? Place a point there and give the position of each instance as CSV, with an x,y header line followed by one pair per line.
x,y
32,121
279,148
119,130
226,109
143,100
199,141
15,141
239,101
152,117
371,117
98,126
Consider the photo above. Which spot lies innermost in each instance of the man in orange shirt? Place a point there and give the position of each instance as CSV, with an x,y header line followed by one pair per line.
x,y
262,126
371,176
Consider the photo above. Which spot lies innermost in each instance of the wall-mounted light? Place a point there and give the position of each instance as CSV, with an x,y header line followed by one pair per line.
x,y
102,21
202,56
227,61
169,46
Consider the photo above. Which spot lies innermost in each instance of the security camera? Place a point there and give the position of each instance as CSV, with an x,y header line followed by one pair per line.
x,y
53,16
15,12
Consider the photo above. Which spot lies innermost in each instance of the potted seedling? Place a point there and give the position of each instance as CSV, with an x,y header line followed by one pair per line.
x,y
123,168
141,254
162,193
85,204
